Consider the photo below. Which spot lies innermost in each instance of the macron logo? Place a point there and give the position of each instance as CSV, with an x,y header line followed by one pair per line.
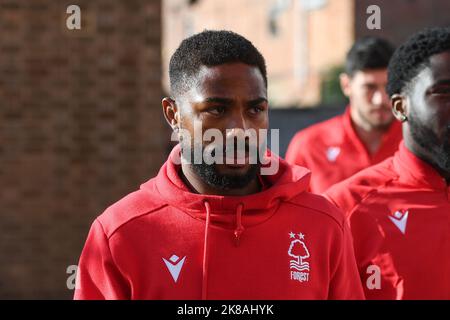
x,y
174,265
399,218
332,153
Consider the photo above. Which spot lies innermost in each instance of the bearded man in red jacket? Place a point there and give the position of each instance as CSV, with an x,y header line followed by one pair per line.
x,y
234,229
399,210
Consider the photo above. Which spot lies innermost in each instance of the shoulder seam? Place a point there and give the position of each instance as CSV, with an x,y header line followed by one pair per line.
x,y
369,194
321,125
322,212
134,218
107,239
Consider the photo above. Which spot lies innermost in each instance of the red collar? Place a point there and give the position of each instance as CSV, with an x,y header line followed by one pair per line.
x,y
287,182
414,170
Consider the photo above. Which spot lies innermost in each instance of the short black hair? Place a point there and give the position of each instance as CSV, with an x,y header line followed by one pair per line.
x,y
211,48
368,53
413,55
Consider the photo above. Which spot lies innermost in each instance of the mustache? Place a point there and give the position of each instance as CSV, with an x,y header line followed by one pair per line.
x,y
214,148
245,149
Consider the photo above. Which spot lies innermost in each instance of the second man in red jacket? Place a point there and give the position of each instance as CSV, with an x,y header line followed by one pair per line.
x,y
365,134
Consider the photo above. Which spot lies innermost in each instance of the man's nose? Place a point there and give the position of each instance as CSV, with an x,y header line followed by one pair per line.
x,y
238,134
380,97
237,121
236,127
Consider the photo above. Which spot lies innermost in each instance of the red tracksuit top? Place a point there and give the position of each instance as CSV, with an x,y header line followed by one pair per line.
x,y
399,213
165,242
333,151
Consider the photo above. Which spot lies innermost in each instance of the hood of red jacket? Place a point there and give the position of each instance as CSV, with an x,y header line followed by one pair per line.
x,y
229,212
288,182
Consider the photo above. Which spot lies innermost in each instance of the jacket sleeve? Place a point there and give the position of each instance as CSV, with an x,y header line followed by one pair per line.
x,y
345,281
295,150
98,277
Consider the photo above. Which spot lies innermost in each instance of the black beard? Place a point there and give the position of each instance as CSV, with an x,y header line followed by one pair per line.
x,y
210,175
428,140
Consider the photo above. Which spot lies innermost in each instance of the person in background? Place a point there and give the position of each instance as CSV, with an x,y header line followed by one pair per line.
x,y
365,134
399,210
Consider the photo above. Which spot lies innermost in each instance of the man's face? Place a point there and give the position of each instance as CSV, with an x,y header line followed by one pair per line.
x,y
226,97
368,98
429,109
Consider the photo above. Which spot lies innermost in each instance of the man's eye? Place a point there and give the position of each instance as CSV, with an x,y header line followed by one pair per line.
x,y
256,109
216,110
370,87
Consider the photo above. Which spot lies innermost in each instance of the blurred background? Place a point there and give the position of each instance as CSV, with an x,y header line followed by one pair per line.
x,y
80,115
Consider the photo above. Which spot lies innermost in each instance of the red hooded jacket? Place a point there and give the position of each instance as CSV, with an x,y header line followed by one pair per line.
x,y
333,151
165,242
399,214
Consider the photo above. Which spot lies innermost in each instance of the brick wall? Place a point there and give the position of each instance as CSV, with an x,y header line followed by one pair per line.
x,y
80,126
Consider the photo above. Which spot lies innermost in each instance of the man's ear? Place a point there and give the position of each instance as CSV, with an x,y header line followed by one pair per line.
x,y
344,80
399,108
171,112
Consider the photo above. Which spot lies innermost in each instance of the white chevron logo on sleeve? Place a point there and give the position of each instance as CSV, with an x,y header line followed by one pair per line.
x,y
333,153
400,218
174,266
